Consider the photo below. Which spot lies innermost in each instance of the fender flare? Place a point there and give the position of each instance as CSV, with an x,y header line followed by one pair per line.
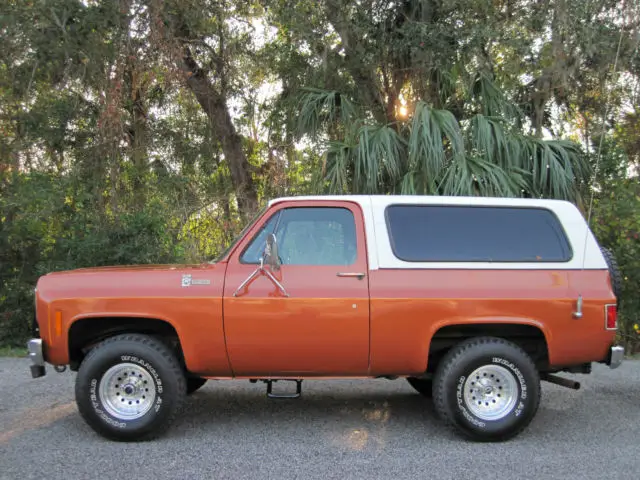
x,y
463,321
98,315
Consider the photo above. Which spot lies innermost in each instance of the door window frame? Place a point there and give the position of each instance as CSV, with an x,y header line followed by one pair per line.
x,y
276,209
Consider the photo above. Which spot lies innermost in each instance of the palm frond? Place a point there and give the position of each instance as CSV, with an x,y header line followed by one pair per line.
x,y
446,80
492,101
435,136
409,186
433,155
552,168
564,167
380,153
320,109
475,175
556,167
489,140
338,157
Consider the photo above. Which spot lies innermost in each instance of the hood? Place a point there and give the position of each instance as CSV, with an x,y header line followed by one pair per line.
x,y
133,268
129,281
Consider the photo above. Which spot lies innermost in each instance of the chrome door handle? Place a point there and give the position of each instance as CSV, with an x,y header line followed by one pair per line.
x,y
357,275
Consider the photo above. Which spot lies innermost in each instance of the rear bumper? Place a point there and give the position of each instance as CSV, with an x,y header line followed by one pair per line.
x,y
616,356
36,354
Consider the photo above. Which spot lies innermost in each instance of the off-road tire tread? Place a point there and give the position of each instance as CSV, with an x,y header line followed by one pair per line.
x,y
175,368
449,361
614,271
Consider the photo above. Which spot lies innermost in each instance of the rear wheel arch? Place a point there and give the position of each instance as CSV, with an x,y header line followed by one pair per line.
x,y
87,331
528,335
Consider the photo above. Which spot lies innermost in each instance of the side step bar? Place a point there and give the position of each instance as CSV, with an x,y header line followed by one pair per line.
x,y
270,393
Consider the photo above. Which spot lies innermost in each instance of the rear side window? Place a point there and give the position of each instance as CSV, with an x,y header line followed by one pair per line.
x,y
421,233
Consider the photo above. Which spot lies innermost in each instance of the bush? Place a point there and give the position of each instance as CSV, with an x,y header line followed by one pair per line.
x,y
47,224
616,224
50,223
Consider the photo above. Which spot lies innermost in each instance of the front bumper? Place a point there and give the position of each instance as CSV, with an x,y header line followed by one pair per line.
x,y
36,354
616,355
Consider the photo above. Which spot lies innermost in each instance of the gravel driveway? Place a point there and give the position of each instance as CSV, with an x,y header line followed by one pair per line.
x,y
361,429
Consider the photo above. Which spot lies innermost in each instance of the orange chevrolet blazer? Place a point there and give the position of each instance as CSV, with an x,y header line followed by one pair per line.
x,y
473,301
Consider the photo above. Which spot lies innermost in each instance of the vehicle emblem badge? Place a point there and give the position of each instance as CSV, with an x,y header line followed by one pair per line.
x,y
187,281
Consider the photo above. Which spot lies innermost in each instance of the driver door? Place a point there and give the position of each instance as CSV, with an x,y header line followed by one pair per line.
x,y
312,318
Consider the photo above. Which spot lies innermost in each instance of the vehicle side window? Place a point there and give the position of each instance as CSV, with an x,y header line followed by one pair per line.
x,y
309,236
255,249
438,233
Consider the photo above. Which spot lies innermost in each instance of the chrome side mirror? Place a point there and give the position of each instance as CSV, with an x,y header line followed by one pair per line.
x,y
270,255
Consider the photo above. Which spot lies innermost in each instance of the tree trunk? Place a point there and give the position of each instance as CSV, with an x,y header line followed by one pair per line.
x,y
138,133
363,74
214,105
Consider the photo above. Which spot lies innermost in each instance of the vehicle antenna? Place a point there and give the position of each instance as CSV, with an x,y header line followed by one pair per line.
x,y
599,154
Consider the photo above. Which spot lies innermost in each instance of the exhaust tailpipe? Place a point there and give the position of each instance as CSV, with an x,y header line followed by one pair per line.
x,y
563,382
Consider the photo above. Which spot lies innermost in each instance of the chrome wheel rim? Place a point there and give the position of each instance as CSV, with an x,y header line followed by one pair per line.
x,y
127,391
491,392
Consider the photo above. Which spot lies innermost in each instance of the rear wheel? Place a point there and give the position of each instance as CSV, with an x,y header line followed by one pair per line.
x,y
423,386
130,387
487,388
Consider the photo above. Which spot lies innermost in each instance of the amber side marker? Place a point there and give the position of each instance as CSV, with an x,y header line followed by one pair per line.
x,y
58,324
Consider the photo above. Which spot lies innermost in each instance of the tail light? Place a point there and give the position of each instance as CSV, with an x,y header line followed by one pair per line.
x,y
611,316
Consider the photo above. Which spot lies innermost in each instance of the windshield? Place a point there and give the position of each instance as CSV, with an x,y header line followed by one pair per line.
x,y
240,236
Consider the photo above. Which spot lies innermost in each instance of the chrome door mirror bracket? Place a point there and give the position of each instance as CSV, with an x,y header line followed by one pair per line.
x,y
261,270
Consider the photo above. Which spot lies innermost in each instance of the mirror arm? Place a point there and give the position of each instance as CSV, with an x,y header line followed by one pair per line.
x,y
276,282
257,272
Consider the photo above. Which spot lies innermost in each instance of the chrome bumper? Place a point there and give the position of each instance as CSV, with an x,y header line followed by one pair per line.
x,y
616,356
36,354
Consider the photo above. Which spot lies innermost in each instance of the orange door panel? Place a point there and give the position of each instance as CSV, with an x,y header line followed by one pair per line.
x,y
322,326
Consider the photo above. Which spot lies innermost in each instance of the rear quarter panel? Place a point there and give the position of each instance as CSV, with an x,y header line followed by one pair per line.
x,y
409,306
411,301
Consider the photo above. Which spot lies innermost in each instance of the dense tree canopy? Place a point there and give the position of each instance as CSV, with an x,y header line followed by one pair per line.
x,y
149,130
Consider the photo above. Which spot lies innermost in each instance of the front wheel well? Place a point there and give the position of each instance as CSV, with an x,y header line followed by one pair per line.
x,y
85,333
528,337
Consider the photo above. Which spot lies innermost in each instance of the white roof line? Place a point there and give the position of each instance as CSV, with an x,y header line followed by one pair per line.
x,y
426,199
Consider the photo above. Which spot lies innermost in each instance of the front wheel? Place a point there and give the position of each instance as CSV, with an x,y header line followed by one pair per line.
x,y
130,387
487,388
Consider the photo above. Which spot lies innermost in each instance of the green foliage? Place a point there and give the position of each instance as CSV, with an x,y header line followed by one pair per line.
x,y
132,238
13,351
48,223
616,223
16,307
115,146
434,154
321,109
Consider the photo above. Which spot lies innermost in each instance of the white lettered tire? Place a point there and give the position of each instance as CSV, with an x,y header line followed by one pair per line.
x,y
130,387
487,388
